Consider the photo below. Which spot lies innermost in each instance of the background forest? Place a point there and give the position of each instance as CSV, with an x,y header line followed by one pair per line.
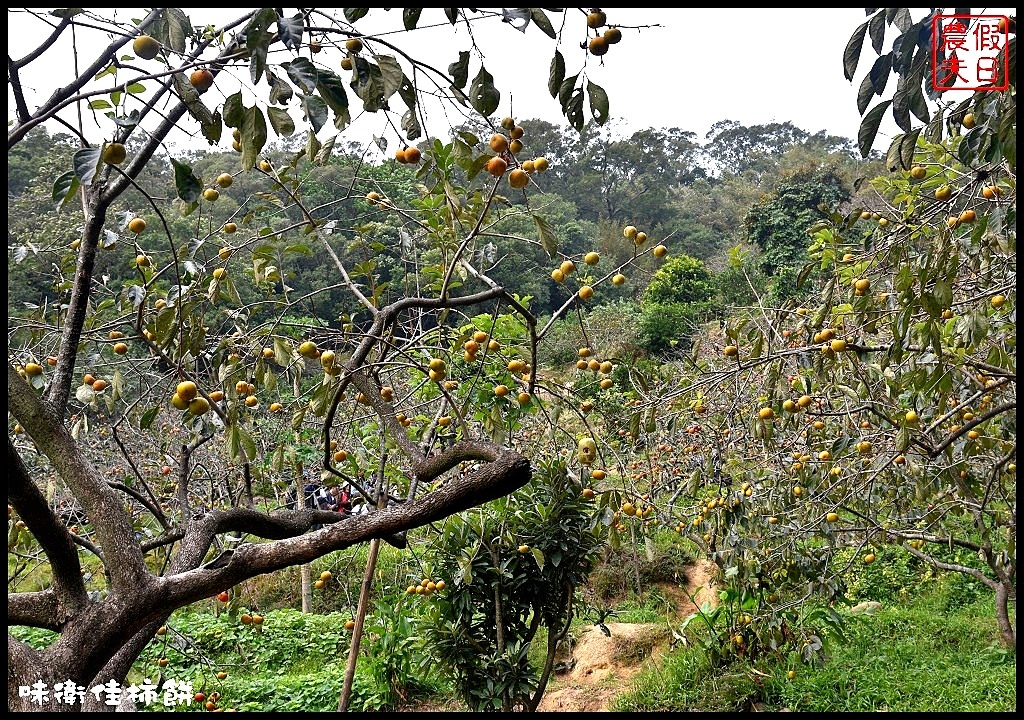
x,y
739,202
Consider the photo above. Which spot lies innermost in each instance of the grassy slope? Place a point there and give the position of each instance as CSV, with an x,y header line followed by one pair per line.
x,y
910,656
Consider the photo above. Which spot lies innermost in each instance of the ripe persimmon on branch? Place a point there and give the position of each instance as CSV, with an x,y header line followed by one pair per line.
x,y
192,357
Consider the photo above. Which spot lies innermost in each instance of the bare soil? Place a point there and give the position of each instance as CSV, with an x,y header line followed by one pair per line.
x,y
603,665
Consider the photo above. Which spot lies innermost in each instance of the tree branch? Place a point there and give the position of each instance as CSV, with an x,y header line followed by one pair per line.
x,y
18,132
34,609
101,503
506,472
52,536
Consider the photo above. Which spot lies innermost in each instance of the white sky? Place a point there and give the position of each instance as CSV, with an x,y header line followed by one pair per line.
x,y
677,68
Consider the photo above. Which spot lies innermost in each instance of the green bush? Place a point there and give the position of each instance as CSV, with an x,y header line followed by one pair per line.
x,y
670,326
893,575
512,568
681,280
612,332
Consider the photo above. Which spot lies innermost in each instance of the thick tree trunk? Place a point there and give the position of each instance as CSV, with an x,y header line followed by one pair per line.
x,y
1007,631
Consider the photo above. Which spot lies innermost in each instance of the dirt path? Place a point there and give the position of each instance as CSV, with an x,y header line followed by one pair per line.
x,y
603,665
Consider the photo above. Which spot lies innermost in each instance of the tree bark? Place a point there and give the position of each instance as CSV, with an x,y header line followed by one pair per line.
x,y
307,588
1007,631
357,632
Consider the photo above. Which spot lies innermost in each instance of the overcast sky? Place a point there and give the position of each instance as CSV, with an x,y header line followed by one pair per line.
x,y
673,68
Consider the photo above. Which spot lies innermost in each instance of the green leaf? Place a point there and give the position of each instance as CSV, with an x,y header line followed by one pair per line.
x,y
918,104
368,85
257,61
851,55
943,293
233,444
312,143
247,444
324,153
353,14
321,399
565,90
865,92
108,70
879,74
233,109
213,129
546,234
289,30
280,91
99,104
573,110
254,136
459,70
301,72
893,154
64,188
281,121
556,74
186,184
332,90
901,103
411,125
411,16
127,121
876,31
869,127
538,556
903,48
257,41
407,92
598,102
146,421
907,148
452,14
900,17
541,20
282,352
87,163
136,88
391,75
315,111
178,28
483,96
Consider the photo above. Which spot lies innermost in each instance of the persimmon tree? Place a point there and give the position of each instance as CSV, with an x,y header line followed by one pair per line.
x,y
877,416
174,371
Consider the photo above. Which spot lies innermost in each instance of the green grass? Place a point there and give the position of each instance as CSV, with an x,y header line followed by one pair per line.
x,y
913,655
